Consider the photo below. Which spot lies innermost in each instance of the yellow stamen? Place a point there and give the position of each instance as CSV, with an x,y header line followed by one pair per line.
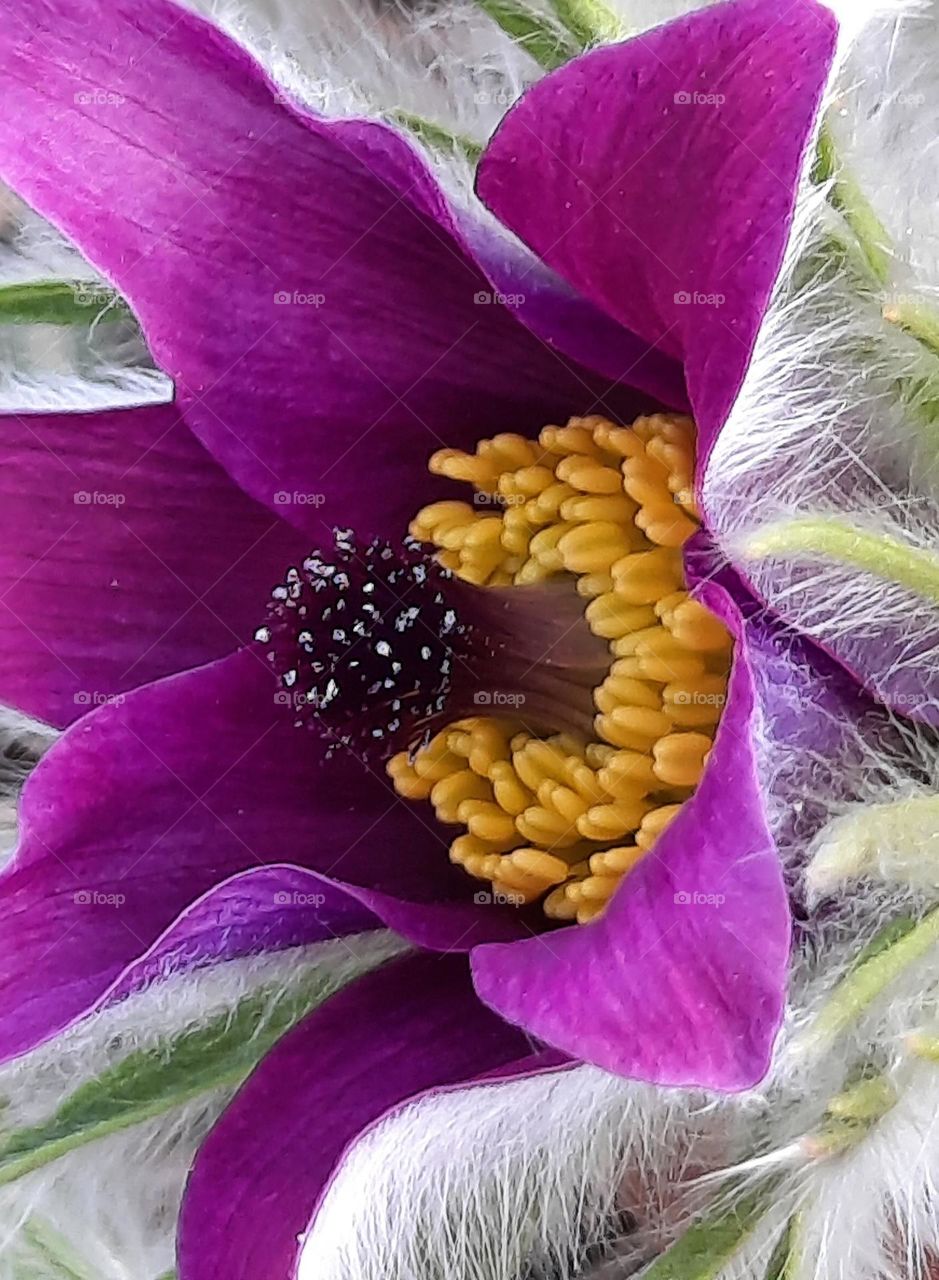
x,y
553,818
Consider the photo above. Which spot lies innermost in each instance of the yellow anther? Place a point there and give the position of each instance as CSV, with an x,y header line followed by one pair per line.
x,y
486,820
680,757
485,532
437,761
539,759
540,865
697,702
624,691
450,792
452,535
588,475
450,560
694,627
478,572
654,823
599,888
508,791
439,515
594,584
558,906
621,441
562,800
645,480
483,473
532,571
612,506
407,781
526,483
644,576
519,891
517,531
542,827
470,852
585,782
635,728
509,450
612,821
628,773
544,546
665,524
667,665
598,754
548,503
616,862
665,608
610,616
487,746
593,547
574,438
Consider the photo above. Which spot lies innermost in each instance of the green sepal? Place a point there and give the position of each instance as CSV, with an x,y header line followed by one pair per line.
x,y
850,546
847,196
871,976
545,40
706,1248
916,317
61,302
589,22
437,137
150,1082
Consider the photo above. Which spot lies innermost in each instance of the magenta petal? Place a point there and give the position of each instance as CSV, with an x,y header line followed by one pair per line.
x,y
413,1026
301,281
659,176
127,554
682,980
263,910
148,805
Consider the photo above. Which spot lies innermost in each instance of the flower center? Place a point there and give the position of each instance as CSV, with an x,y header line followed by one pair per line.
x,y
564,816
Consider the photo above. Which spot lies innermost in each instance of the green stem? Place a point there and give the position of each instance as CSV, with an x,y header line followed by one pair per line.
x,y
879,554
590,22
437,137
787,1254
55,1250
917,318
867,1100
855,993
923,1046
847,196
705,1249
63,302
549,43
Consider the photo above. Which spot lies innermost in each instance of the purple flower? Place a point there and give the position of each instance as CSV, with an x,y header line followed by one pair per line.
x,y
330,320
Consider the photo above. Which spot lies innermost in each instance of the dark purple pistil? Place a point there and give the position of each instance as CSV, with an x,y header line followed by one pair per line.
x,y
377,646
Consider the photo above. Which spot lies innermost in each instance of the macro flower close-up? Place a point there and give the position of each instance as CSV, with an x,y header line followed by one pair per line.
x,y
476,802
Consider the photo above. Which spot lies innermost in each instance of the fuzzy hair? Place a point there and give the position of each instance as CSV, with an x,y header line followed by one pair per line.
x,y
114,1205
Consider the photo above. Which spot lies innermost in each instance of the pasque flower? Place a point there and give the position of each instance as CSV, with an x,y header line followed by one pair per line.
x,y
332,322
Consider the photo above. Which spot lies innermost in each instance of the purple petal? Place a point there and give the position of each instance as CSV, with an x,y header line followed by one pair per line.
x,y
148,805
810,709
568,322
127,554
413,1026
263,910
659,177
301,281
682,980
